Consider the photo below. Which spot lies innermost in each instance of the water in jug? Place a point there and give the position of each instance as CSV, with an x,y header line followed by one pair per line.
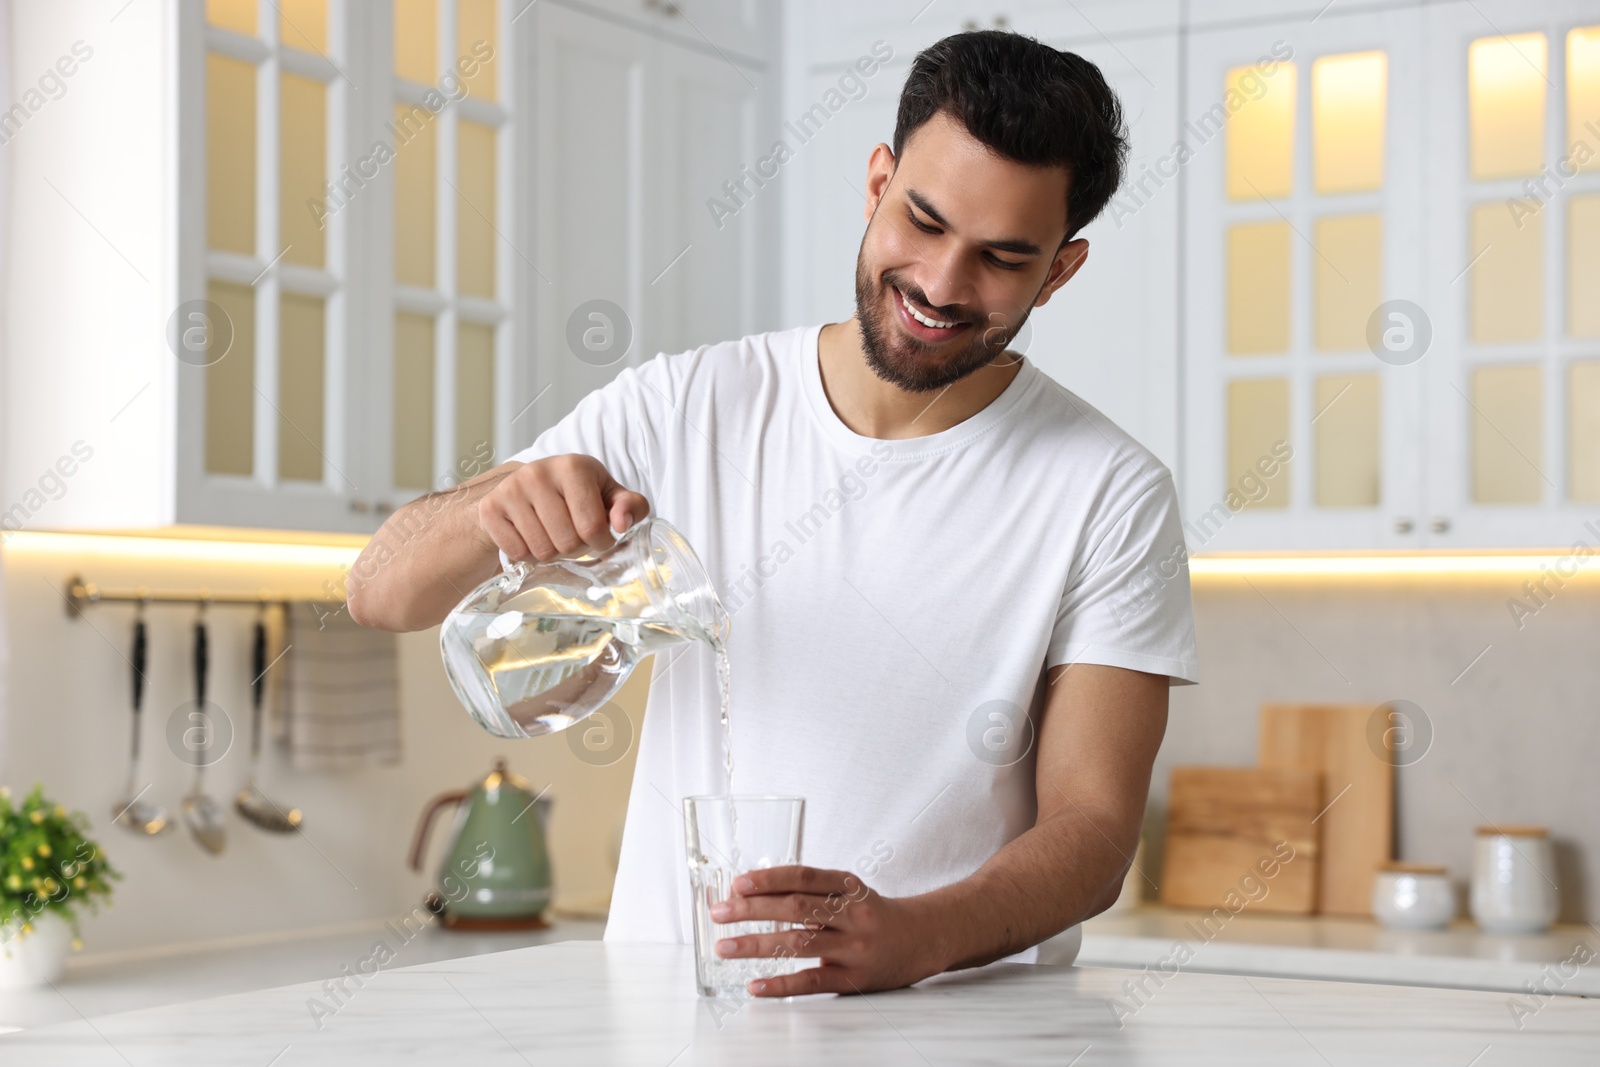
x,y
543,645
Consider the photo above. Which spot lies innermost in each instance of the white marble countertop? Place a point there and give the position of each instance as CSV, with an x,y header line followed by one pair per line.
x,y
127,981
1345,949
588,1002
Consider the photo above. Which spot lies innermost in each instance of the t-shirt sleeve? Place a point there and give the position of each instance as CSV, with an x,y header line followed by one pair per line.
x,y
1127,603
619,424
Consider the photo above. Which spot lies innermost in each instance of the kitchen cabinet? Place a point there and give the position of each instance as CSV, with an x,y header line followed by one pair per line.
x,y
1512,382
1302,214
738,30
642,247
1333,378
1399,360
837,31
334,298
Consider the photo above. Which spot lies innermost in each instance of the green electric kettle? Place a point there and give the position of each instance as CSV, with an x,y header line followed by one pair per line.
x,y
496,873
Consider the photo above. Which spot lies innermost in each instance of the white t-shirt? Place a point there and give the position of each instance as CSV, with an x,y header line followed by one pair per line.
x,y
894,607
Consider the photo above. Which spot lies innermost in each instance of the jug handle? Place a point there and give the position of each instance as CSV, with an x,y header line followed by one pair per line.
x,y
419,844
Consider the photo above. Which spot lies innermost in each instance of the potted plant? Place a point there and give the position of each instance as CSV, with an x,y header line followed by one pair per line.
x,y
48,871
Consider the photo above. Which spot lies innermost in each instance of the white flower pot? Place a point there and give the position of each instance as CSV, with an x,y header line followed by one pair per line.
x,y
36,958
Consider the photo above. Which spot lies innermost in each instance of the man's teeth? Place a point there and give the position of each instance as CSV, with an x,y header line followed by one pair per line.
x,y
920,317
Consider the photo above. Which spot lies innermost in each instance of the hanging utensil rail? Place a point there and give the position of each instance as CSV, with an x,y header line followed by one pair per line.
x,y
80,594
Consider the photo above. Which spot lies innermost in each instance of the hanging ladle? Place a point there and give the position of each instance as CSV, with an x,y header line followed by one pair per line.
x,y
203,815
134,812
250,801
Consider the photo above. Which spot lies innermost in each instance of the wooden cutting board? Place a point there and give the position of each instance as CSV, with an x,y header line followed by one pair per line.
x,y
1358,787
1242,834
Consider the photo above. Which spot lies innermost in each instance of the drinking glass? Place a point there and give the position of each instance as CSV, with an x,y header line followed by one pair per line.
x,y
724,836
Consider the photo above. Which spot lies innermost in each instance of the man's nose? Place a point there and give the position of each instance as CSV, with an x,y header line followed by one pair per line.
x,y
943,281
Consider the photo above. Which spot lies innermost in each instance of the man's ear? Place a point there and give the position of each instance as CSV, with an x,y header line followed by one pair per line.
x,y
880,168
1069,257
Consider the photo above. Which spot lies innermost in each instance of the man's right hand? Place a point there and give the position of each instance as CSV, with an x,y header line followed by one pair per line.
x,y
558,506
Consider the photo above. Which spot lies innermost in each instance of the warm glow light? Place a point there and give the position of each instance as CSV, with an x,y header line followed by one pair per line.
x,y
1260,141
1349,94
338,552
1428,564
1506,91
168,549
1583,97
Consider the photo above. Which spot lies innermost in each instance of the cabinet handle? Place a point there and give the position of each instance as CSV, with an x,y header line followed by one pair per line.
x,y
383,507
1440,525
969,24
360,507
1403,525
1001,22
666,7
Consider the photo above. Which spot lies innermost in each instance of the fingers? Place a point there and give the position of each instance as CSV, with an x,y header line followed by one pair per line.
x,y
797,878
556,517
827,978
526,519
556,507
788,944
494,521
787,907
624,506
586,508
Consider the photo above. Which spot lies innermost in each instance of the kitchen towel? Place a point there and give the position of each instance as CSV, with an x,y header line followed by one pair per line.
x,y
337,704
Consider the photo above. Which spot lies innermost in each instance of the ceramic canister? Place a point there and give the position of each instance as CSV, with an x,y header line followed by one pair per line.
x,y
1513,879
1410,896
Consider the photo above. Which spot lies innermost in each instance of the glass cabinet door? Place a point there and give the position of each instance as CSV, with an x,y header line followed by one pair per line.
x,y
262,332
349,259
1513,172
443,334
1301,267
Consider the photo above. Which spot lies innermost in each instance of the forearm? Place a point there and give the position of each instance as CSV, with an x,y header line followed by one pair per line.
x,y
425,558
1065,869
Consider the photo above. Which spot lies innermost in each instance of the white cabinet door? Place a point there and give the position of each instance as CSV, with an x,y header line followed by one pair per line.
x,y
450,257
1301,221
267,390
591,159
635,138
833,32
1513,216
1110,335
738,30
825,213
710,192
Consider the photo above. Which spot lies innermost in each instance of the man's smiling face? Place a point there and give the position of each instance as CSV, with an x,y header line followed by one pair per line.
x,y
961,245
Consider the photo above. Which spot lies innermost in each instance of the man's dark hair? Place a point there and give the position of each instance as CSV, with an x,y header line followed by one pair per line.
x,y
1027,102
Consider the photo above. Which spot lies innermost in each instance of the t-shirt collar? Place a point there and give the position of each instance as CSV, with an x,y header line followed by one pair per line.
x,y
909,447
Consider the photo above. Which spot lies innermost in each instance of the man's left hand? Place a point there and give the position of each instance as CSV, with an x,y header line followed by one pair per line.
x,y
866,941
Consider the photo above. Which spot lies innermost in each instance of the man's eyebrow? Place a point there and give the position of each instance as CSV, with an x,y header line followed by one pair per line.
x,y
1015,245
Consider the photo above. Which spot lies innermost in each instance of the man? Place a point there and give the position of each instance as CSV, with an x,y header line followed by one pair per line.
x,y
927,547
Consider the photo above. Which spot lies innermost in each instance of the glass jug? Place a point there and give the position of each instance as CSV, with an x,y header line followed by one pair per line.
x,y
544,645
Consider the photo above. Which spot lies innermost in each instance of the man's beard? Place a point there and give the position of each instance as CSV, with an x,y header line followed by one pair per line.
x,y
907,364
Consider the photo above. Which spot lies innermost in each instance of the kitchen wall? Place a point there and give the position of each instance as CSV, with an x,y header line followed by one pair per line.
x,y
1515,732
66,723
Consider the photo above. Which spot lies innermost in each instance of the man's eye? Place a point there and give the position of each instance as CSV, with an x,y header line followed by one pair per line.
x,y
919,224
1004,264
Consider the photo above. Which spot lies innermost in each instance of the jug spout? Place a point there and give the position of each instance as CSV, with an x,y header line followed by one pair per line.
x,y
685,589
